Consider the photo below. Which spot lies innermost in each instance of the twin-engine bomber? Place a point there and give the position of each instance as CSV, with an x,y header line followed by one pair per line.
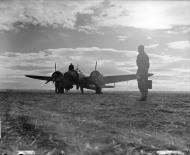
x,y
95,81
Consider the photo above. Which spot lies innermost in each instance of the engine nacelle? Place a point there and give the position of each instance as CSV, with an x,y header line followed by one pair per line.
x,y
57,76
97,78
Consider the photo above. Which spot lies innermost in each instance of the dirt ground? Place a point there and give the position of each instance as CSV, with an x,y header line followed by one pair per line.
x,y
91,124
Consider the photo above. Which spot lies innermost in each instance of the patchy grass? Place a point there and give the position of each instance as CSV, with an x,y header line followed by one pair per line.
x,y
91,124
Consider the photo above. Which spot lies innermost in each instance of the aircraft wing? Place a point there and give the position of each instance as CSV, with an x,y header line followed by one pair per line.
x,y
45,78
120,78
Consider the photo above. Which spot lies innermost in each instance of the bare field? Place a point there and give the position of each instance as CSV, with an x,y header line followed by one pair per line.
x,y
90,124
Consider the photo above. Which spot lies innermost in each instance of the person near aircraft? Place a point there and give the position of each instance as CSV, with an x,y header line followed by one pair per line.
x,y
142,72
75,75
71,67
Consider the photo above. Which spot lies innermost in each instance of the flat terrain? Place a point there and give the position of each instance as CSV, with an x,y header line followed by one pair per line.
x,y
90,124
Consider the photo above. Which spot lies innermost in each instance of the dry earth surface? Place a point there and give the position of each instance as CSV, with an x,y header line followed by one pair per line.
x,y
90,124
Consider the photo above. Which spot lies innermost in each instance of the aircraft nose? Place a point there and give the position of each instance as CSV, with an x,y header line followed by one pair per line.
x,y
72,75
150,74
53,77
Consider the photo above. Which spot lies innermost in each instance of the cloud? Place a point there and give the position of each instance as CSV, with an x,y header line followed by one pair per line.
x,y
122,38
89,15
45,59
179,45
158,14
56,14
152,46
180,29
30,68
89,29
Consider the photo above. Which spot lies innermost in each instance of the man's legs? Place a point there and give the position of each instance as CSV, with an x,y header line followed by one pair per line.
x,y
142,85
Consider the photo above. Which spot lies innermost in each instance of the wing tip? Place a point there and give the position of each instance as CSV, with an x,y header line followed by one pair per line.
x,y
30,76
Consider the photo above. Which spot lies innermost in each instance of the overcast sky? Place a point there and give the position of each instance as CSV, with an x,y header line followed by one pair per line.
x,y
34,34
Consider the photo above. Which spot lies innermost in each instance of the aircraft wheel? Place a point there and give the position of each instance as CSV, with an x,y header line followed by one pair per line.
x,y
56,90
62,90
82,90
99,90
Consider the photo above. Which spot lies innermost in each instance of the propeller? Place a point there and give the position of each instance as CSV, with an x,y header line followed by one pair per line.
x,y
51,78
48,80
96,66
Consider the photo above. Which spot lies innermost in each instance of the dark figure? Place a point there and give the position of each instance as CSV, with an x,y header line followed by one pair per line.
x,y
74,76
71,67
142,72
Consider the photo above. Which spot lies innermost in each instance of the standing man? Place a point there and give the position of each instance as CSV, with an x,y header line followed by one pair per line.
x,y
142,72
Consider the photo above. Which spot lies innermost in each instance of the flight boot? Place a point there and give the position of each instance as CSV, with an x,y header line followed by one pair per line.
x,y
143,98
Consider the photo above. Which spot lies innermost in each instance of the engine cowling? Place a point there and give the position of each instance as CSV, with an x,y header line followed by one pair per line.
x,y
57,76
97,78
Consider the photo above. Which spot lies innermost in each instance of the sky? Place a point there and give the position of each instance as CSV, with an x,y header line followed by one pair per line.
x,y
34,34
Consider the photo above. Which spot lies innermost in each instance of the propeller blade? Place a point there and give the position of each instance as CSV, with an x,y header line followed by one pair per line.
x,y
96,66
51,78
48,80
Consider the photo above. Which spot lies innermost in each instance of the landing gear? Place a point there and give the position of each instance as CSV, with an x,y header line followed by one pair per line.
x,y
77,86
59,90
55,90
82,90
99,90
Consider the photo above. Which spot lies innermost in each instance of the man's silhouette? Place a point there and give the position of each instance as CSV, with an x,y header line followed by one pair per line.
x,y
142,72
75,76
71,67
